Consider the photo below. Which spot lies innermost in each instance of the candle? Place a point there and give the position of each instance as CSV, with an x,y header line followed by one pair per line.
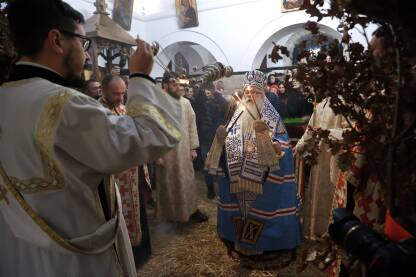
x,y
255,104
242,103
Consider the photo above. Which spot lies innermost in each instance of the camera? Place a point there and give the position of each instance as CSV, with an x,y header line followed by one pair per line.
x,y
381,256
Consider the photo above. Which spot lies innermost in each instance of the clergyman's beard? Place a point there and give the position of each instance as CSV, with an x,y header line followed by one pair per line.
x,y
252,107
247,119
72,79
246,122
173,94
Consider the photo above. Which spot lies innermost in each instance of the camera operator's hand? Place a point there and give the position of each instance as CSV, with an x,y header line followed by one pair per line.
x,y
142,59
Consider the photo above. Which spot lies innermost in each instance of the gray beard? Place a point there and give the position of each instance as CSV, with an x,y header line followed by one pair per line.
x,y
246,119
246,122
252,107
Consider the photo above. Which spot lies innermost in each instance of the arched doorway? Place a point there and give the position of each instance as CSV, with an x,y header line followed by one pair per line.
x,y
290,37
183,57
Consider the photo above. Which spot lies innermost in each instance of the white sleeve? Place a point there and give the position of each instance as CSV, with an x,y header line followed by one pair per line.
x,y
193,133
93,136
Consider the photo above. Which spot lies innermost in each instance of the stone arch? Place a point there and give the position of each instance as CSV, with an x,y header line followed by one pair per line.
x,y
197,48
194,57
289,37
279,30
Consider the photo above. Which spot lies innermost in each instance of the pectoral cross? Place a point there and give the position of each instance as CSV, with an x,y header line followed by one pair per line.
x,y
251,232
3,193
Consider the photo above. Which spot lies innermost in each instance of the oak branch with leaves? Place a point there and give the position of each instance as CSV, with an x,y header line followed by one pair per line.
x,y
373,88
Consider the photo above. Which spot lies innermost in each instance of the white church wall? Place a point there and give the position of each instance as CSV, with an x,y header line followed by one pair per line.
x,y
235,32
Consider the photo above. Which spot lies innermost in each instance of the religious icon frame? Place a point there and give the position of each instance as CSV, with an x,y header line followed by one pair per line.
x,y
179,11
289,7
123,13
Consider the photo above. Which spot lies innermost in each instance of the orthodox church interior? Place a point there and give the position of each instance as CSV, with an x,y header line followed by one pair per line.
x,y
236,33
293,147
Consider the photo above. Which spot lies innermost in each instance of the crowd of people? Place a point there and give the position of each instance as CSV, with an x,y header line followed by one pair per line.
x,y
286,96
204,110
78,170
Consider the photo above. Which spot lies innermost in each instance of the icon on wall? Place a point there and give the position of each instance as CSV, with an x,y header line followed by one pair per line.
x,y
291,5
187,13
122,13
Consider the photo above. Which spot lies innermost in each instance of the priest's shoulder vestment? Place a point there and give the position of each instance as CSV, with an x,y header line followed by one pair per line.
x,y
56,145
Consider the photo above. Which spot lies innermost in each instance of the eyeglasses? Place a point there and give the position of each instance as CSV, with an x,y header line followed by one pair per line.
x,y
86,42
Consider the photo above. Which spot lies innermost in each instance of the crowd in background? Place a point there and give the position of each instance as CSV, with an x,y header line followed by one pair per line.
x,y
209,103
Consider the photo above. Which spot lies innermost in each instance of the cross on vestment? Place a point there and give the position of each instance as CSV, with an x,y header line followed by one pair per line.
x,y
251,232
235,129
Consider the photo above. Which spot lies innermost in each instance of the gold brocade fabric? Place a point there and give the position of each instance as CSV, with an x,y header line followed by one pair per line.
x,y
152,112
116,110
128,183
53,178
38,220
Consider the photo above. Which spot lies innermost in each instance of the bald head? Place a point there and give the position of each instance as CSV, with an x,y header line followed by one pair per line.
x,y
113,89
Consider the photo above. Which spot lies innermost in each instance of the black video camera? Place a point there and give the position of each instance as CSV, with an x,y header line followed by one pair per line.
x,y
382,256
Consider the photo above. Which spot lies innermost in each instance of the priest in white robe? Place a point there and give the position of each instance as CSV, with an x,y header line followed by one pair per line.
x,y
57,217
176,188
327,188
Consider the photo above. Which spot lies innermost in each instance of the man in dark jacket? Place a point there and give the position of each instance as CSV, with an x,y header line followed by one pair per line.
x,y
293,103
210,109
271,95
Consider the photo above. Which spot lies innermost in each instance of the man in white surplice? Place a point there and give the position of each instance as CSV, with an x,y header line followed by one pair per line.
x,y
57,216
175,178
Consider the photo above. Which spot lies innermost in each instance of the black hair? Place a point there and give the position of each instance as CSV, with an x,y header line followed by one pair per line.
x,y
167,76
209,86
269,77
165,79
31,20
87,83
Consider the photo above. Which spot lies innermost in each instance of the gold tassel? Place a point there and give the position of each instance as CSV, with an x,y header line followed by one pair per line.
x,y
213,157
266,154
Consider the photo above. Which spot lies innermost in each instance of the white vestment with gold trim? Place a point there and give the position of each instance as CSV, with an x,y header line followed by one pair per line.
x,y
176,188
325,185
56,145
